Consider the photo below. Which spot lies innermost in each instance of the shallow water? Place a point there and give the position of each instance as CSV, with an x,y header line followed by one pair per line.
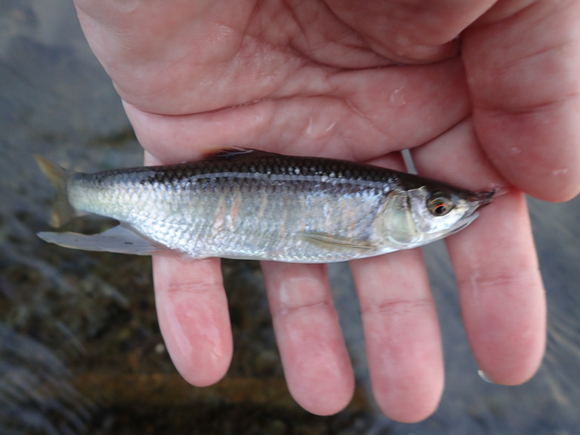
x,y
80,348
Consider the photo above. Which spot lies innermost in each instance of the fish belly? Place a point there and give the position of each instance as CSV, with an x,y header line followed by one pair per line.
x,y
259,220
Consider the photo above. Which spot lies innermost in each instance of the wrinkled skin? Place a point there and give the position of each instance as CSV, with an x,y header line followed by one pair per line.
x,y
485,94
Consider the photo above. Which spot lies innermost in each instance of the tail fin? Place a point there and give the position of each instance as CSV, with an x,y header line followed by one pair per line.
x,y
62,211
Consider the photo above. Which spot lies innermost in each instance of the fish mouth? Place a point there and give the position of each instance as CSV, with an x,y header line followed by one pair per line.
x,y
483,198
478,200
465,221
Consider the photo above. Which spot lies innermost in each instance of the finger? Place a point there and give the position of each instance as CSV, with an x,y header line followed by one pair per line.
x,y
401,334
500,287
523,69
401,329
314,356
193,317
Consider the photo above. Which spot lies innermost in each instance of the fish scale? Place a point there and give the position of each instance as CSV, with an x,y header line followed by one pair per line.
x,y
257,205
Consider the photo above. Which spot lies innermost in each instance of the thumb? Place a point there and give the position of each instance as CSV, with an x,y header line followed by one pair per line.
x,y
523,71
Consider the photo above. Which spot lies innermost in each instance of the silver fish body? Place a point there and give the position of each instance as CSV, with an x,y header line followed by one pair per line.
x,y
254,205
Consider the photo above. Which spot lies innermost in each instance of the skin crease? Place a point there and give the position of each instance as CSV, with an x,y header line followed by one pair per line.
x,y
485,93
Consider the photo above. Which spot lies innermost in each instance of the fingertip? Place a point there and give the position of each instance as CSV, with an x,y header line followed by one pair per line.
x,y
320,381
320,377
542,162
510,375
520,363
558,187
411,413
333,396
411,399
316,365
213,373
193,317
413,395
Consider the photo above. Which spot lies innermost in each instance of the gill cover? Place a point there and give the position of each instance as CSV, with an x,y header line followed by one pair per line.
x,y
398,226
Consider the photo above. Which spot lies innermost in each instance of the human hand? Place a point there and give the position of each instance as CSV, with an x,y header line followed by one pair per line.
x,y
362,81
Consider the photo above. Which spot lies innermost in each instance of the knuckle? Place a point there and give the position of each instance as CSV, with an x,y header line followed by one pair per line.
x,y
198,286
398,306
286,309
504,279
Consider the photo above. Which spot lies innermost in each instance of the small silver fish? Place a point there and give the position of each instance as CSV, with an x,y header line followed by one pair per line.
x,y
248,204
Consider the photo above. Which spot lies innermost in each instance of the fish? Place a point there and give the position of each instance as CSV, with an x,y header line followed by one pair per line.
x,y
255,205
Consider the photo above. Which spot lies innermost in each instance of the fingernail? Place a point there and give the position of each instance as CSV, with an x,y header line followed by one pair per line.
x,y
483,376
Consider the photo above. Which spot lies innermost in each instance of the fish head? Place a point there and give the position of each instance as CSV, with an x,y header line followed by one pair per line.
x,y
420,215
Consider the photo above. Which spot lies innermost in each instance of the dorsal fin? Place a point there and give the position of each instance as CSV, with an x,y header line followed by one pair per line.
x,y
232,153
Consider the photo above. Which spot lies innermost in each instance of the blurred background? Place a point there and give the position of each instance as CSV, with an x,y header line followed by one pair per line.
x,y
80,348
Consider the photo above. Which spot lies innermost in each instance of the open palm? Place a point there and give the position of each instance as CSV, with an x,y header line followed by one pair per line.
x,y
484,93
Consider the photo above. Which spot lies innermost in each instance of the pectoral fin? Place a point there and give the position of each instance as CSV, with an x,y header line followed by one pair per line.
x,y
328,241
118,239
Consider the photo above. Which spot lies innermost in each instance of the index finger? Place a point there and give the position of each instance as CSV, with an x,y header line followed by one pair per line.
x,y
500,287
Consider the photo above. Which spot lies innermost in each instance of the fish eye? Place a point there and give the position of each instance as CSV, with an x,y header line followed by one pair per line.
x,y
439,204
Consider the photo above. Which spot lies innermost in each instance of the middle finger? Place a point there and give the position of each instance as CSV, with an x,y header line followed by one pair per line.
x,y
401,329
401,334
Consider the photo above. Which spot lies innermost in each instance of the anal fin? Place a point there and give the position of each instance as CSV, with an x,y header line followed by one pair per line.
x,y
118,239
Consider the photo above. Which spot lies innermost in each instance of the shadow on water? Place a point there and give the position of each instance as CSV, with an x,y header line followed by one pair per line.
x,y
80,348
